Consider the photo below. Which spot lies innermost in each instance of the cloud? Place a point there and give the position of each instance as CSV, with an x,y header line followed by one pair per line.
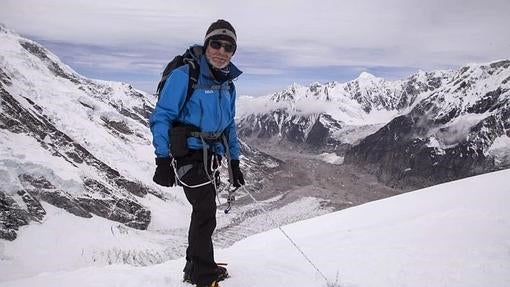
x,y
305,31
274,37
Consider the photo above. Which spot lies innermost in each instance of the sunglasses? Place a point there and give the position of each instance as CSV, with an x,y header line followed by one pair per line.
x,y
216,45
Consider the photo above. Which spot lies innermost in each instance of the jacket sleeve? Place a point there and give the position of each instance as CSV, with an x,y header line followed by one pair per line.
x,y
167,110
233,141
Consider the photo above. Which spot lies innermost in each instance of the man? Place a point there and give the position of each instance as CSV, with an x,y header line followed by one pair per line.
x,y
202,131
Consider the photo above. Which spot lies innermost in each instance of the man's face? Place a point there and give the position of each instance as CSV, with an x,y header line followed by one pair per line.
x,y
219,53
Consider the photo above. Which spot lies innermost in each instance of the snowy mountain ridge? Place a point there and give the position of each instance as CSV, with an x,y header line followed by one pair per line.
x,y
372,100
361,101
459,129
447,110
65,140
332,116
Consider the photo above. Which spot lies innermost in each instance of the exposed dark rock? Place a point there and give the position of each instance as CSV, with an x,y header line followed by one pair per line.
x,y
37,182
294,133
37,107
500,64
144,111
34,207
131,213
95,187
17,119
318,135
4,78
42,54
6,233
39,188
109,206
483,134
134,116
86,105
312,131
463,86
11,217
401,159
446,118
61,199
486,102
135,188
74,157
120,127
100,207
120,209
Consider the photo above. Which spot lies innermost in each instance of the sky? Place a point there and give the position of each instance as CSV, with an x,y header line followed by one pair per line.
x,y
279,42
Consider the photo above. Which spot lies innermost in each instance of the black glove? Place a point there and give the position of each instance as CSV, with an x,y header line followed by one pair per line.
x,y
236,173
164,174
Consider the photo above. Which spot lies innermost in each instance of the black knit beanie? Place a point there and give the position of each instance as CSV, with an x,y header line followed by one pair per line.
x,y
221,30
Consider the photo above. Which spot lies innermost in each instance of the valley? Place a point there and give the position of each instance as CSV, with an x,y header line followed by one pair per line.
x,y
303,187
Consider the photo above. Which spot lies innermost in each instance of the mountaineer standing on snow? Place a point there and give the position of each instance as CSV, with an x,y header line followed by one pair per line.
x,y
193,128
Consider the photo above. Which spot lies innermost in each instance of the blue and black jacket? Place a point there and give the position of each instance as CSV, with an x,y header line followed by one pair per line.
x,y
211,108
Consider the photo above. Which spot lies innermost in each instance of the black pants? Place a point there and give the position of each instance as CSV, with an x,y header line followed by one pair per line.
x,y
199,254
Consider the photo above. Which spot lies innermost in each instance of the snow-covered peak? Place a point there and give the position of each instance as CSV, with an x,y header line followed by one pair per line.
x,y
352,102
28,56
80,103
367,82
451,106
473,88
366,76
453,120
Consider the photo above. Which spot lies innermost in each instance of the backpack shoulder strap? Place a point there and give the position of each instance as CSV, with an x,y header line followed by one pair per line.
x,y
193,74
173,64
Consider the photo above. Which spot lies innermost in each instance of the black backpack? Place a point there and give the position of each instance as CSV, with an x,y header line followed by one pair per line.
x,y
181,60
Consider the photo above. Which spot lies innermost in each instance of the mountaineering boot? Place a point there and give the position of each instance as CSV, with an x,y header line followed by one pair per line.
x,y
221,274
212,284
187,278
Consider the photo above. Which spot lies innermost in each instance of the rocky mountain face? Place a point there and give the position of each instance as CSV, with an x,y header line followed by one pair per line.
x,y
78,144
456,131
333,116
44,106
429,128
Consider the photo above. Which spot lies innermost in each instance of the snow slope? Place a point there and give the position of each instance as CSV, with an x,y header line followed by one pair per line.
x,y
80,107
453,234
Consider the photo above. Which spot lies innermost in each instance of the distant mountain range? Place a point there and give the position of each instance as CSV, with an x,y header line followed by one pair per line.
x,y
429,128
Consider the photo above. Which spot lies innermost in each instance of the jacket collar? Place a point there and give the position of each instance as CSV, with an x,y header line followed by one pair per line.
x,y
234,72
